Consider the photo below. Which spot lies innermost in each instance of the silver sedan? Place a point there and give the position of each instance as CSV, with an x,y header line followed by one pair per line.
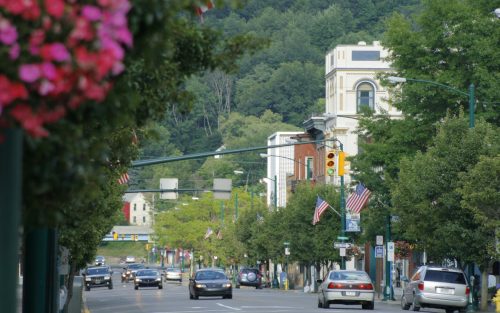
x,y
346,287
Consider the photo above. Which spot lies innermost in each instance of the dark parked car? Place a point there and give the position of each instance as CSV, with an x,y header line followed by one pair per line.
x,y
147,278
129,271
249,277
98,276
210,283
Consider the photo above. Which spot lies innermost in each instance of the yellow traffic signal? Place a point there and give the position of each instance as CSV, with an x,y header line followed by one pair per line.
x,y
330,163
341,163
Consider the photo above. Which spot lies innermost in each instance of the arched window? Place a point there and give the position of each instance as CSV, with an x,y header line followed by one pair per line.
x,y
365,95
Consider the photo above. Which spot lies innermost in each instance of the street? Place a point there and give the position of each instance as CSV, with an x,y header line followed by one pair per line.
x,y
173,298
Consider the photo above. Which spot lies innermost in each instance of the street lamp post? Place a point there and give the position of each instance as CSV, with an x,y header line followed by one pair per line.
x,y
470,95
287,253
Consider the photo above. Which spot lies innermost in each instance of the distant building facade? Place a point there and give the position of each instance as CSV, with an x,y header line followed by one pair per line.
x,y
137,209
351,84
280,165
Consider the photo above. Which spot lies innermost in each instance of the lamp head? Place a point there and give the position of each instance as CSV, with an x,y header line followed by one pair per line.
x,y
396,79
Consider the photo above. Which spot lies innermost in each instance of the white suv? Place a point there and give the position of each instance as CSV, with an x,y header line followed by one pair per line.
x,y
436,287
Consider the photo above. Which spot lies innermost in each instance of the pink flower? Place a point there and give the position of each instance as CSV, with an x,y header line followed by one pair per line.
x,y
91,13
8,33
45,87
59,52
123,35
29,72
14,51
48,70
55,8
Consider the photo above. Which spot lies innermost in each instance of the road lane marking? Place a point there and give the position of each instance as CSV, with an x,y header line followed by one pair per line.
x,y
228,307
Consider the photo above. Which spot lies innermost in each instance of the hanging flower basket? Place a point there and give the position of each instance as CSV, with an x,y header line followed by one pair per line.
x,y
56,56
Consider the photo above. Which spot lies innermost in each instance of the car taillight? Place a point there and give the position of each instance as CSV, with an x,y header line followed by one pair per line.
x,y
366,286
335,286
467,290
421,286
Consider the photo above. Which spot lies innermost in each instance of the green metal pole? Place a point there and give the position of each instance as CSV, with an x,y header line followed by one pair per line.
x,y
472,103
222,212
387,293
236,206
251,199
342,210
275,192
10,212
36,298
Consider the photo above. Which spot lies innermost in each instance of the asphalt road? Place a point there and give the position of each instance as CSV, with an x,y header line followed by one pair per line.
x,y
174,298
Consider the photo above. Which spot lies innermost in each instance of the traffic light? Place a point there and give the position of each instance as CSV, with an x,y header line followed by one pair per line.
x,y
341,163
330,163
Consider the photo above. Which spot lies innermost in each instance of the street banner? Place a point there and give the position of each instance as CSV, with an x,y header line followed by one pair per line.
x,y
353,222
390,251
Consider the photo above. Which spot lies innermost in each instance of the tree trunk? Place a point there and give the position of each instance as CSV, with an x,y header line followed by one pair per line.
x,y
484,290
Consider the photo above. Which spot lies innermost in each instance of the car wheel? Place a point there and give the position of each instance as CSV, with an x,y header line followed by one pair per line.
x,y
160,286
368,306
237,286
110,286
404,305
196,297
191,296
230,296
414,306
87,288
326,305
136,287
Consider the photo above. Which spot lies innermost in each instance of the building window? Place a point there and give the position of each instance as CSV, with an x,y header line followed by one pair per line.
x,y
135,219
144,207
144,219
365,55
309,168
135,206
365,94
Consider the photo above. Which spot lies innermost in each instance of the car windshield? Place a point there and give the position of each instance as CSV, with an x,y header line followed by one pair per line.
x,y
99,258
97,271
210,275
135,266
147,273
445,277
361,276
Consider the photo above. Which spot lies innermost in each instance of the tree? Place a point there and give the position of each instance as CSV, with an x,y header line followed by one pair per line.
x,y
427,196
441,43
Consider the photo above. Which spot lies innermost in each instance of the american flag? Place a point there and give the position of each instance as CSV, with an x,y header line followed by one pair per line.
x,y
321,206
358,199
207,5
123,179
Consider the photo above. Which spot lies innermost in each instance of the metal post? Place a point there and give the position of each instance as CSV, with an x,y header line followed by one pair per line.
x,y
472,103
342,210
222,212
275,192
387,289
236,206
10,212
36,273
